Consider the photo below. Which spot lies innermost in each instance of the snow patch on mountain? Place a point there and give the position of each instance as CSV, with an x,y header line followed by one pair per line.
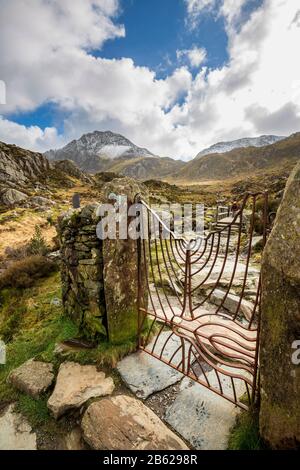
x,y
102,144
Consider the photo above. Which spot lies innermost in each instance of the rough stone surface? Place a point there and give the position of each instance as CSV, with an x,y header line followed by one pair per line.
x,y
73,440
125,423
82,271
75,384
12,196
15,432
208,279
280,377
32,377
144,374
99,277
232,303
41,201
120,267
202,417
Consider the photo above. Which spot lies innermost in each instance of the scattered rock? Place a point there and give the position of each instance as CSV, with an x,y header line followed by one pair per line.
x,y
57,302
12,196
41,201
75,384
125,423
144,374
32,377
15,432
54,255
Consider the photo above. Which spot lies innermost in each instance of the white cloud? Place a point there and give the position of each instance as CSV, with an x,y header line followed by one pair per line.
x,y
195,9
49,60
32,137
196,56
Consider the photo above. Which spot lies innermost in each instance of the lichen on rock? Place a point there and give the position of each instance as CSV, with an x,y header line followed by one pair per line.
x,y
280,324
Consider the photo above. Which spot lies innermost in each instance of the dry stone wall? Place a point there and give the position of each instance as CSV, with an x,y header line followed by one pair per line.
x,y
99,277
82,271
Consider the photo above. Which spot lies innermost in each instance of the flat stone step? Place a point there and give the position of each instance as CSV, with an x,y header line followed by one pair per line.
x,y
201,417
145,374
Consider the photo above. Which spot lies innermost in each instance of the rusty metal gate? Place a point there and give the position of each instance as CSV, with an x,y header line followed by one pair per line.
x,y
199,304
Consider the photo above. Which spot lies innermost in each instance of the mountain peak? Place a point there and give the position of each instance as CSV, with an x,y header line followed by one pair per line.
x,y
92,149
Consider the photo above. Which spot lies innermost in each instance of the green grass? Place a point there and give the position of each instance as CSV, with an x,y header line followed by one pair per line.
x,y
31,326
245,433
35,410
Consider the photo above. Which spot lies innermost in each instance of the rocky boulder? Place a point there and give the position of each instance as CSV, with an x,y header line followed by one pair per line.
x,y
11,196
125,423
75,384
40,201
32,377
280,324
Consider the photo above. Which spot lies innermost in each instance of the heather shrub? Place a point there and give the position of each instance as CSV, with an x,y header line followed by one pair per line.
x,y
24,273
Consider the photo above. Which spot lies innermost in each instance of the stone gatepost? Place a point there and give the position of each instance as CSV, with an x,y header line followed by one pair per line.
x,y
99,277
280,325
120,268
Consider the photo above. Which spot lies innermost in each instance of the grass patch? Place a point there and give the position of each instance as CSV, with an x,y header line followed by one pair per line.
x,y
245,433
31,325
36,411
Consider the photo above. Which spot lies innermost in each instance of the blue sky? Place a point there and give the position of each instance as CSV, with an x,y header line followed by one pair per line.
x,y
172,75
156,29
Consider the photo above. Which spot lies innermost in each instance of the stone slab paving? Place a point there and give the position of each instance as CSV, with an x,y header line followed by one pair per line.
x,y
15,432
146,375
201,417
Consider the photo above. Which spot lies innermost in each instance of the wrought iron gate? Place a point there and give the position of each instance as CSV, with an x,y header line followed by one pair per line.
x,y
203,302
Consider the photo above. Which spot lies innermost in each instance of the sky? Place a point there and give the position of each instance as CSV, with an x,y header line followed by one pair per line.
x,y
174,76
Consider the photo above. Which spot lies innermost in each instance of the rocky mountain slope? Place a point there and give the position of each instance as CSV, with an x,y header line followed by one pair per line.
x,y
93,151
243,162
146,168
107,151
223,147
19,167
24,173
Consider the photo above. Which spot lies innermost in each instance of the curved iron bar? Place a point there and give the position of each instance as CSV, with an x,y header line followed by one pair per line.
x,y
238,352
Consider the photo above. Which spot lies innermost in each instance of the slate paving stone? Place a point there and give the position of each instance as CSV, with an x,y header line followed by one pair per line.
x,y
201,417
146,375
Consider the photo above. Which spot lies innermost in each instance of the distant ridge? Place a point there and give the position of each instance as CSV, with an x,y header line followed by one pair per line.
x,y
222,147
243,162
